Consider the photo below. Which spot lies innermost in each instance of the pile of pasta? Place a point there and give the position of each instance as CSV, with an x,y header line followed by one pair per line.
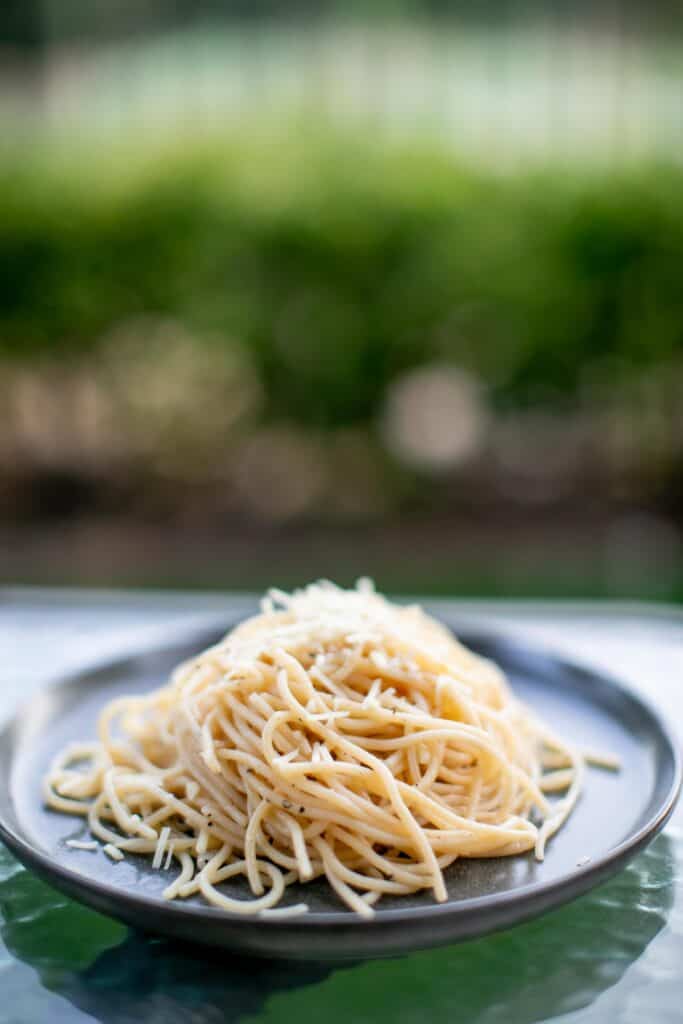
x,y
334,735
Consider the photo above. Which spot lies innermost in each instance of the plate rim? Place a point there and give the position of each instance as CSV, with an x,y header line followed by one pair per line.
x,y
529,899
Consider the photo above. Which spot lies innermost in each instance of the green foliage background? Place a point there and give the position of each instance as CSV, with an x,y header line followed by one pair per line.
x,y
338,262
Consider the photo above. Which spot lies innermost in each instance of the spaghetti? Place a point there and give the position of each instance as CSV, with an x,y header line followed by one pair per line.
x,y
336,735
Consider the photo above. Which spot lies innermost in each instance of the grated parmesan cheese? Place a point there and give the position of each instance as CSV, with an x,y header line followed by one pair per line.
x,y
112,852
80,844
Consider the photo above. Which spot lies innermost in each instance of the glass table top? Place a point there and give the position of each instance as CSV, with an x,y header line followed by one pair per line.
x,y
614,955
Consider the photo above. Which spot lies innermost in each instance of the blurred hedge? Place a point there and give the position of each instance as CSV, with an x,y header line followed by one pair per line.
x,y
337,262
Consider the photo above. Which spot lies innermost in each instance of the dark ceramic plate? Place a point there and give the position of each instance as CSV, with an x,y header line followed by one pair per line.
x,y
617,815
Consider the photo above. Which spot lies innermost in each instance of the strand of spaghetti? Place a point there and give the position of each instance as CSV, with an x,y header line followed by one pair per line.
x,y
392,791
479,743
391,868
322,814
354,878
279,912
551,825
345,891
186,873
250,847
207,886
299,844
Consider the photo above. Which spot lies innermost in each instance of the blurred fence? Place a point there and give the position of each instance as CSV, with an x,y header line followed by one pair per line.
x,y
594,86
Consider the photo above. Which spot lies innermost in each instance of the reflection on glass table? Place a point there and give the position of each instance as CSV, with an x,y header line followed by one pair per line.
x,y
538,971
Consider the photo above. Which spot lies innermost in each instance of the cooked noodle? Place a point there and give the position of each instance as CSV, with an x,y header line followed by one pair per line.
x,y
334,735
